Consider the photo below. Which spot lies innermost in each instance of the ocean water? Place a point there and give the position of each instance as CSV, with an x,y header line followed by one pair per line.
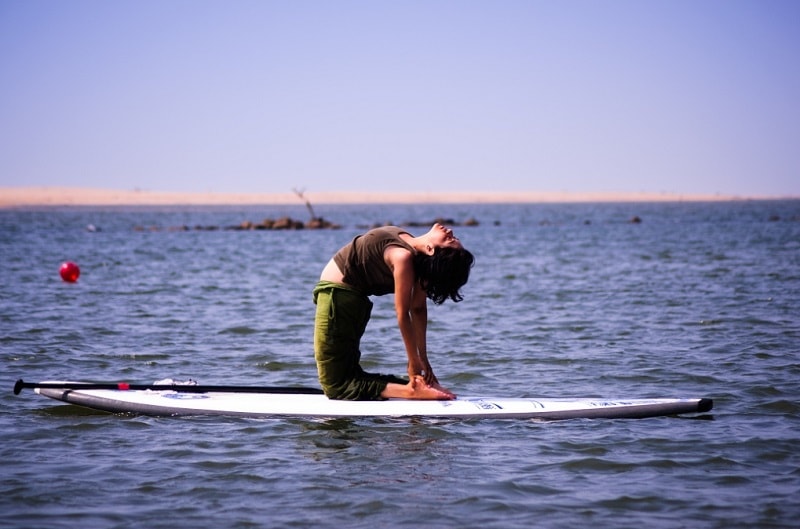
x,y
696,300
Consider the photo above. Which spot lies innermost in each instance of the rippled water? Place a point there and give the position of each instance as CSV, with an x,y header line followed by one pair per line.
x,y
697,300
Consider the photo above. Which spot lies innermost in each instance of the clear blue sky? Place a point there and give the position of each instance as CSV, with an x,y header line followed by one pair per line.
x,y
684,96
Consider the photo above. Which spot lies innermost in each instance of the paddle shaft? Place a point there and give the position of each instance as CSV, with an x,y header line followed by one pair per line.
x,y
124,386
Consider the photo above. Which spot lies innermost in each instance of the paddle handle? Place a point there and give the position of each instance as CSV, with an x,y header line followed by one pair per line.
x,y
124,386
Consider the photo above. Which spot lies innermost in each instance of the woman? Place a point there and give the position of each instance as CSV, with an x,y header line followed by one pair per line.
x,y
384,261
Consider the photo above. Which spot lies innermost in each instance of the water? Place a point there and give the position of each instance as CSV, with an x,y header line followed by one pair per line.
x,y
697,300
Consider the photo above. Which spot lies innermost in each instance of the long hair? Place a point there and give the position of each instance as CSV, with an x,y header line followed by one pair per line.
x,y
444,273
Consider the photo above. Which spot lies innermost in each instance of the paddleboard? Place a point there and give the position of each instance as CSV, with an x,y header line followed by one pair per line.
x,y
269,404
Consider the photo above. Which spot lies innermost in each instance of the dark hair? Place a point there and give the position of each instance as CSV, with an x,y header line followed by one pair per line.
x,y
444,273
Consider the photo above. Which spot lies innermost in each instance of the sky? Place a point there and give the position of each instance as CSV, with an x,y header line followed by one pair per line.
x,y
267,96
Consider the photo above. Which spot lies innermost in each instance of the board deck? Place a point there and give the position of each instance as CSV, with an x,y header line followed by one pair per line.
x,y
254,404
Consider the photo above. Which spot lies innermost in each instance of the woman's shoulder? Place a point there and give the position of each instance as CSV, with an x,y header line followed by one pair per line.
x,y
381,239
388,230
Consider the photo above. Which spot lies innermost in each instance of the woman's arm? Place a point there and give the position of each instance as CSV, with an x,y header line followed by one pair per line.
x,y
419,319
411,311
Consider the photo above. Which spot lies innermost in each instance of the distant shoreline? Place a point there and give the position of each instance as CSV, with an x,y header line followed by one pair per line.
x,y
13,197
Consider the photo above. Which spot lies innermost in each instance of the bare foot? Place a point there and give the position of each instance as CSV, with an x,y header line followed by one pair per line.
x,y
417,389
439,387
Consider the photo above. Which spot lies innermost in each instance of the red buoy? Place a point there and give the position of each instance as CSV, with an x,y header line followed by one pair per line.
x,y
70,272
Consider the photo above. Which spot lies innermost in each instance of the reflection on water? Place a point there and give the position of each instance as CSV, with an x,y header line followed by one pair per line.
x,y
564,300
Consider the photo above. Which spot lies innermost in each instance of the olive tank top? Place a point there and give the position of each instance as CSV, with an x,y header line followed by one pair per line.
x,y
362,264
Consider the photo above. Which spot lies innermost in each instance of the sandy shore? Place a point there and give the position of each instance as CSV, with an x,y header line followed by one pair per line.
x,y
66,196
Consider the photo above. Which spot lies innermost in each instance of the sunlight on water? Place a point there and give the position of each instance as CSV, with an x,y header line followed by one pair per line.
x,y
565,300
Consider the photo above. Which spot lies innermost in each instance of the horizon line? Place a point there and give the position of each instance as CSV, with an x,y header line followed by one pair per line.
x,y
11,197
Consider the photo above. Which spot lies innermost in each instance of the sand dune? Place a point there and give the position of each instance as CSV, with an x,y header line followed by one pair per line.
x,y
67,196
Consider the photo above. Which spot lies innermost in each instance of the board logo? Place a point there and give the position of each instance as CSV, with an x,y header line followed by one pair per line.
x,y
608,403
184,396
485,405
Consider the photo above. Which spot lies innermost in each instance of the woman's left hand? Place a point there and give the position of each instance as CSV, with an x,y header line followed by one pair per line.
x,y
429,377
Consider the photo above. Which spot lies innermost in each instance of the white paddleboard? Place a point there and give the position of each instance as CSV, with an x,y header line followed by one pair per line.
x,y
257,404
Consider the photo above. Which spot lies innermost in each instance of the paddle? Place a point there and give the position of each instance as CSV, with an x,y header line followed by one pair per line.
x,y
124,386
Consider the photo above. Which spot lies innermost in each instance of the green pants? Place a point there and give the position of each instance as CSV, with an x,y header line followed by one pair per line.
x,y
341,318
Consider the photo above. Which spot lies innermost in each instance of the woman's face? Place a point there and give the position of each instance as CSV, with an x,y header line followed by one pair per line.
x,y
441,237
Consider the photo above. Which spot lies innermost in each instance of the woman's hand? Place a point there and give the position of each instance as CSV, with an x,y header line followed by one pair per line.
x,y
416,368
428,375
423,369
